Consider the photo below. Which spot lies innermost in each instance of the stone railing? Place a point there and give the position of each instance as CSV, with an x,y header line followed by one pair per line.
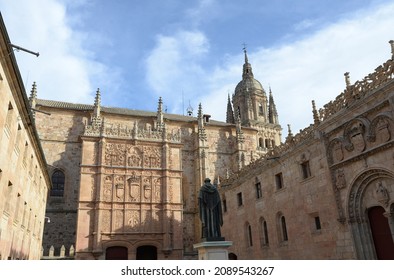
x,y
124,131
62,254
383,74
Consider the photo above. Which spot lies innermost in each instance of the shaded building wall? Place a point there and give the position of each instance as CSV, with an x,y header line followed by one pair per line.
x,y
59,134
24,182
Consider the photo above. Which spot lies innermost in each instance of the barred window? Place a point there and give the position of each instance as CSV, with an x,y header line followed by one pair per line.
x,y
58,180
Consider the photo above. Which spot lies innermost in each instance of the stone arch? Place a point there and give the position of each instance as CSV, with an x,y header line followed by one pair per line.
x,y
364,193
117,246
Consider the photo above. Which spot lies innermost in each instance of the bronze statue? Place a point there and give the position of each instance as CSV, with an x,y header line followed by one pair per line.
x,y
210,212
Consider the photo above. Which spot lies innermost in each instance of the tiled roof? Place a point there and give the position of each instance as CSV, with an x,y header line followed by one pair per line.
x,y
121,111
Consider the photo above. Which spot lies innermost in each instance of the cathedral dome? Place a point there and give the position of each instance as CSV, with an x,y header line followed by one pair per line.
x,y
248,84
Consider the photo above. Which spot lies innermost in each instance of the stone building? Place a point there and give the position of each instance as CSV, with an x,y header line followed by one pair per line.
x,y
24,181
125,182
327,192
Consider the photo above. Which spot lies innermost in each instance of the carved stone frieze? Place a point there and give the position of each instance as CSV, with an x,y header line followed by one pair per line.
x,y
134,157
105,220
115,154
133,221
152,157
157,190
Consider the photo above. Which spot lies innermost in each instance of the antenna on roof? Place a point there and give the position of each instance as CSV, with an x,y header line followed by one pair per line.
x,y
25,50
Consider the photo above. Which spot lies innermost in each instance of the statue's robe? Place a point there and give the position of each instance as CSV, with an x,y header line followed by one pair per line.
x,y
210,211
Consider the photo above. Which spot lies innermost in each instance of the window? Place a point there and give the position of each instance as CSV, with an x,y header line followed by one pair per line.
x,y
283,228
306,172
279,181
263,233
261,143
239,199
58,179
265,230
224,205
249,236
317,223
258,190
261,110
267,143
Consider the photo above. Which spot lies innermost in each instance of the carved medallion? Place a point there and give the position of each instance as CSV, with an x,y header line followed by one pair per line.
x,y
337,152
147,192
358,142
382,131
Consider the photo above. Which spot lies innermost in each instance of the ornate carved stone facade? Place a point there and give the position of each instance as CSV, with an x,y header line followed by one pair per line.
x,y
327,192
132,177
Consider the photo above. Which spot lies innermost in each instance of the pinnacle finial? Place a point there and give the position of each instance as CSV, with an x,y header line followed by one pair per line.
x,y
33,90
290,134
315,114
391,42
347,79
33,96
199,115
97,99
160,105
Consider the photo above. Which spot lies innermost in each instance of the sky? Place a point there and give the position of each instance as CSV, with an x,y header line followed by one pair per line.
x,y
191,52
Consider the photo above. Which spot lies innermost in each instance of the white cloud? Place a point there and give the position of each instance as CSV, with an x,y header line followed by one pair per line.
x,y
174,65
64,70
312,68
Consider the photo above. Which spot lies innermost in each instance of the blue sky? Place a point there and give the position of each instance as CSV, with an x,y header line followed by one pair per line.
x,y
191,51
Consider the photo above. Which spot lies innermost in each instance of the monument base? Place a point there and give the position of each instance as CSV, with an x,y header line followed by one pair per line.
x,y
213,250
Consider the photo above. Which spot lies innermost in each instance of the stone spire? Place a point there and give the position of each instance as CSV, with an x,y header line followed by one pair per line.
x,y
272,112
201,129
247,68
391,42
160,116
97,105
33,96
238,128
230,112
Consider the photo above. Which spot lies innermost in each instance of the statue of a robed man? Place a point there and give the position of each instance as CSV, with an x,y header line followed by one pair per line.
x,y
210,211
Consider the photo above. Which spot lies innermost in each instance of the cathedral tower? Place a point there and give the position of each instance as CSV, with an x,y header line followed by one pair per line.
x,y
255,109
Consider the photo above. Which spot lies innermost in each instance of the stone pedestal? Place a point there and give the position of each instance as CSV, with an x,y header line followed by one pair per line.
x,y
213,250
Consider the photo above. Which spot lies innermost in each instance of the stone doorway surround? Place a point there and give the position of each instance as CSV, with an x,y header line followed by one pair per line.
x,y
372,188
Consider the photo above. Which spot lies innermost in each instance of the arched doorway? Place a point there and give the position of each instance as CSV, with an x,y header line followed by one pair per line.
x,y
381,233
116,253
232,256
146,252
